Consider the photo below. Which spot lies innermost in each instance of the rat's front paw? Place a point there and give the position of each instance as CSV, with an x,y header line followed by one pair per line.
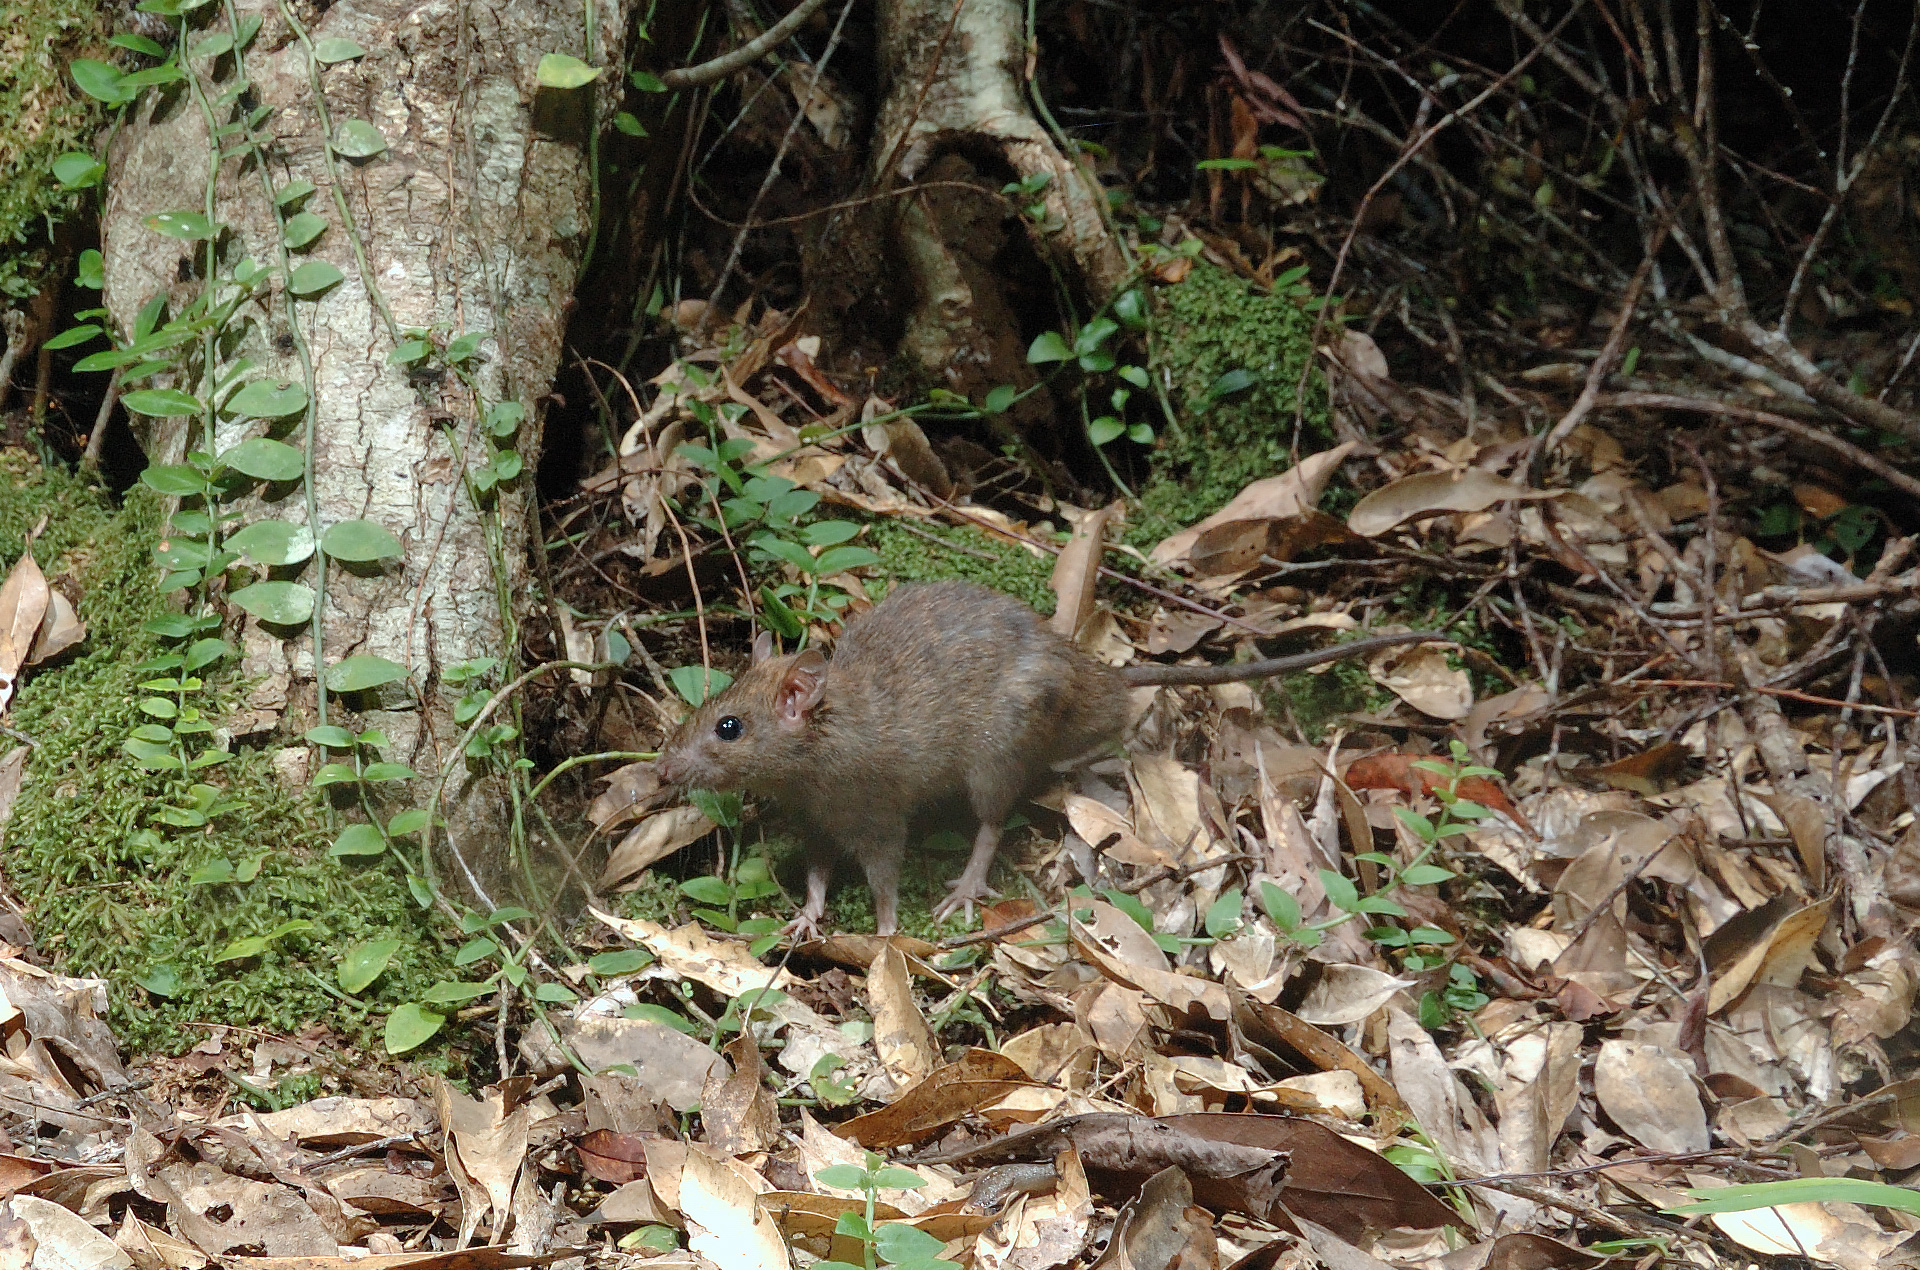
x,y
966,893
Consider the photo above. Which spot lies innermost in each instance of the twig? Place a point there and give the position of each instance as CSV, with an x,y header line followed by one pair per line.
x,y
1544,446
1779,423
95,439
1792,693
752,51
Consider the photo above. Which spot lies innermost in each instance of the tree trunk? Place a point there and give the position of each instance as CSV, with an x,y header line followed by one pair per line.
x,y
953,121
472,218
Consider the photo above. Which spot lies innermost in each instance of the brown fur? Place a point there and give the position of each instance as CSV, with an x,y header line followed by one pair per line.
x,y
941,691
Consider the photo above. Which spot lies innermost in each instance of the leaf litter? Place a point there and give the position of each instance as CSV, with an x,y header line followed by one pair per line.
x,y
1528,1002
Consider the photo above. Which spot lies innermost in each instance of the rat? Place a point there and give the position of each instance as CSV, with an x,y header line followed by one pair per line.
x,y
941,690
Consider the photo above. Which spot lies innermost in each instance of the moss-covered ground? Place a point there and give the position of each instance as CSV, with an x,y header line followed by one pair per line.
x,y
1209,325
110,889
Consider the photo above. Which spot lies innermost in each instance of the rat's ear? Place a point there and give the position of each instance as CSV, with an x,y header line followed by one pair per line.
x,y
800,689
762,647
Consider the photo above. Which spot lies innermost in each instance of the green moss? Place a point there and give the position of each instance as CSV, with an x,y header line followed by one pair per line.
x,y
107,885
45,116
963,552
1209,325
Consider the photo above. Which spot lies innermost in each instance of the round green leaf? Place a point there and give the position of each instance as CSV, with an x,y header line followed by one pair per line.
x,y
620,961
411,1026
186,226
91,272
264,459
174,480
313,277
358,139
292,193
999,399
362,671
359,540
835,559
358,840
364,962
412,820
303,228
331,735
213,45
561,70
76,170
1048,346
282,603
159,403
273,542
1104,429
830,533
336,49
100,80
264,399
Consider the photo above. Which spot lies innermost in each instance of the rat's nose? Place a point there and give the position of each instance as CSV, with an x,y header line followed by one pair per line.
x,y
667,769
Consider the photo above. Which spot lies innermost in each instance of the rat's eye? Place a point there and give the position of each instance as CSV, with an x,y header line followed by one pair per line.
x,y
729,728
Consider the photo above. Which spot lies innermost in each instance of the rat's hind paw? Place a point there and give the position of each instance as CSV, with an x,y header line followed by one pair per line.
x,y
966,894
803,927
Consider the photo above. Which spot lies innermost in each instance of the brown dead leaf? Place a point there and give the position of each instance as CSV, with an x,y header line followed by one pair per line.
x,y
1421,677
650,841
738,1111
23,604
1161,1227
1292,493
1649,772
1076,569
906,1045
1269,1026
1648,1090
154,1249
489,1258
726,1221
627,789
978,1079
670,1065
614,1157
60,630
486,1146
13,771
1430,493
1397,771
1178,630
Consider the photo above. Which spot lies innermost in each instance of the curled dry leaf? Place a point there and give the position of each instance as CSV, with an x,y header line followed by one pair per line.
x,y
23,605
1292,493
737,1109
1421,677
653,839
978,1079
628,788
1430,493
1076,569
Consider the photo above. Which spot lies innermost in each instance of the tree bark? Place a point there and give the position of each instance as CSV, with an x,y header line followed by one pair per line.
x,y
473,219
